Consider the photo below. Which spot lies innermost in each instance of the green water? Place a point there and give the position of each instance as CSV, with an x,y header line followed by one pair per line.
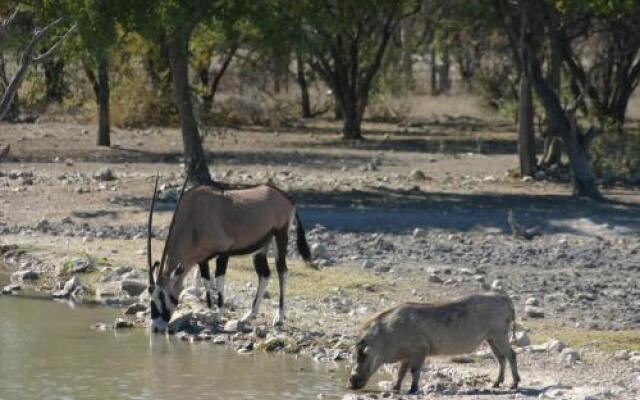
x,y
47,351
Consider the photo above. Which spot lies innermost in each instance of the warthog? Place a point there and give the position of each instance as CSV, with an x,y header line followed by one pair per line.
x,y
410,332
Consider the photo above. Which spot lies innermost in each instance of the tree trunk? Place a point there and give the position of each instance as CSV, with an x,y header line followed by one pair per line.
x,y
552,148
352,118
582,176
54,80
407,35
434,72
194,159
526,141
304,87
338,112
104,129
445,79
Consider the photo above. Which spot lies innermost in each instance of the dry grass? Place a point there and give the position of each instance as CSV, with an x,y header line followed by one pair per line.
x,y
424,106
306,282
600,340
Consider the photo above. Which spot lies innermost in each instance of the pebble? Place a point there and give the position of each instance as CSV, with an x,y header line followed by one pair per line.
x,y
104,174
122,323
418,175
367,264
570,356
533,312
26,275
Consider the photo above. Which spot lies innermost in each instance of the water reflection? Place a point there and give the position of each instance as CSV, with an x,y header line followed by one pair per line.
x,y
47,351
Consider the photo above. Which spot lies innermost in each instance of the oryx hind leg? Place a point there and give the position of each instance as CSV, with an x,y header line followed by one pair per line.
x,y
262,269
282,240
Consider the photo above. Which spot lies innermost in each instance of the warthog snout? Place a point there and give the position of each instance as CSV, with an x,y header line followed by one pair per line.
x,y
357,382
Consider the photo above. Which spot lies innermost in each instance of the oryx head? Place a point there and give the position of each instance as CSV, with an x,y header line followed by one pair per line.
x,y
164,283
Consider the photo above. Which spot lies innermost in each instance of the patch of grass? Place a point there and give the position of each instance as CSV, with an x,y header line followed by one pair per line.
x,y
601,340
307,282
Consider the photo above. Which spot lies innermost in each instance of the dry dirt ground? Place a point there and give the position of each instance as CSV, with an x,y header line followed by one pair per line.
x,y
381,231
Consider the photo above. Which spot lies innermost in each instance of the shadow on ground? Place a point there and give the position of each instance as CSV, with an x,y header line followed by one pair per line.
x,y
395,210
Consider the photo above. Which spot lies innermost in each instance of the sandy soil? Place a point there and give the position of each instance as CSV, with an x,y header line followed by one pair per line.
x,y
361,203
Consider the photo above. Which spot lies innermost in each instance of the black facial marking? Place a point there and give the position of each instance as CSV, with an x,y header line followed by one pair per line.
x,y
173,300
154,310
166,316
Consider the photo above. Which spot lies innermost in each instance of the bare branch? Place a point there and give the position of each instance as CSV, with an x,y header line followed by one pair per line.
x,y
27,59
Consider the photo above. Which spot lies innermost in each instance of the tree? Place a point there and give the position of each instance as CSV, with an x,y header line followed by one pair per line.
x,y
599,42
347,40
28,56
171,23
564,122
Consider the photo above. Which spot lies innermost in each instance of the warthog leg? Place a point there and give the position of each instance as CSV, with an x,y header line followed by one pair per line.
x,y
416,368
282,240
262,269
501,361
221,270
404,367
502,344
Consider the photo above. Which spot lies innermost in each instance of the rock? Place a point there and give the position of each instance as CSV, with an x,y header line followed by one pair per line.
x,y
382,268
533,312
532,301
419,233
418,175
570,356
554,345
318,250
522,339
68,162
260,332
104,174
235,325
133,288
81,265
100,327
122,323
622,355
9,289
69,287
367,264
435,278
221,339
180,321
273,343
109,289
497,285
135,308
25,275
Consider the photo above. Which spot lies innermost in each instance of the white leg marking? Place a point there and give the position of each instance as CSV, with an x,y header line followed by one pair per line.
x,y
279,318
262,287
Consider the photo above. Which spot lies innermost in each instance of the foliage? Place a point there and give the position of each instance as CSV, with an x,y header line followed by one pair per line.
x,y
617,154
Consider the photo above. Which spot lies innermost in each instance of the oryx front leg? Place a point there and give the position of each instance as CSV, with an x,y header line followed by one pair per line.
x,y
262,269
209,285
221,270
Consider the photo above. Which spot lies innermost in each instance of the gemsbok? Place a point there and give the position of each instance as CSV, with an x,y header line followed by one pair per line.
x,y
212,222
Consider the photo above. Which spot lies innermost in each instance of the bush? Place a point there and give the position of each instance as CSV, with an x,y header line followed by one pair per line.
x,y
618,154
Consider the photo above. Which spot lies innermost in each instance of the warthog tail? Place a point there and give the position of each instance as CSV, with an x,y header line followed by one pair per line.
x,y
301,241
